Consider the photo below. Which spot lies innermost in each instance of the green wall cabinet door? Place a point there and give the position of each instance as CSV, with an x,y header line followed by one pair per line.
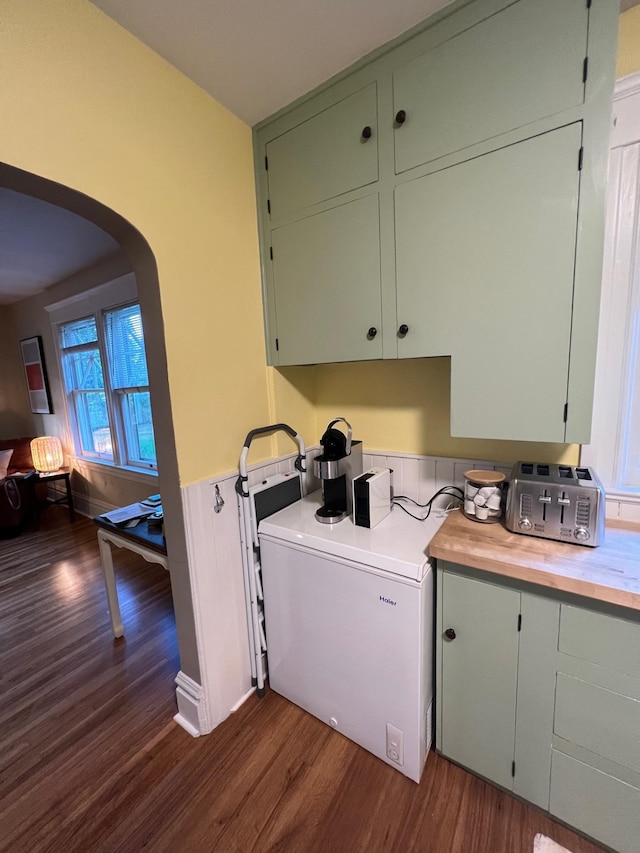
x,y
324,157
485,262
326,280
513,68
559,695
480,676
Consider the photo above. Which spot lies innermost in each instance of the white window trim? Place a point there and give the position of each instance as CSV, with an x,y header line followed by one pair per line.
x,y
95,301
621,250
138,475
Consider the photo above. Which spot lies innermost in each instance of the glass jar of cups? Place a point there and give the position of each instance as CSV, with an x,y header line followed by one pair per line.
x,y
483,492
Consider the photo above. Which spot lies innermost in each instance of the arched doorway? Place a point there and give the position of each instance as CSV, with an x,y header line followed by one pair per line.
x,y
143,264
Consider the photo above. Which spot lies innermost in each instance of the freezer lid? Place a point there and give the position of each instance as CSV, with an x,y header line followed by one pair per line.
x,y
398,544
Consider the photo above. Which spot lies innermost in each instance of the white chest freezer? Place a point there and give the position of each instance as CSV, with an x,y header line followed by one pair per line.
x,y
349,621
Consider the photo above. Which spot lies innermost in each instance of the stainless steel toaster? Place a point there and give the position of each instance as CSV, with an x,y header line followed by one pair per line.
x,y
556,502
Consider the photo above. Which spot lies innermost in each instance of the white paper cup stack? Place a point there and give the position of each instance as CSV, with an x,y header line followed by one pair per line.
x,y
483,495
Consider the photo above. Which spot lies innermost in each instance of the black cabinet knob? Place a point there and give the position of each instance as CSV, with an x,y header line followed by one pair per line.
x,y
372,332
402,331
366,132
450,634
401,117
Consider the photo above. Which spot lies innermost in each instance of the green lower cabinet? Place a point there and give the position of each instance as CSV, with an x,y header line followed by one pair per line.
x,y
559,693
481,664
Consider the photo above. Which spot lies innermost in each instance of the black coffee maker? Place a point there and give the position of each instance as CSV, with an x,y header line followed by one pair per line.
x,y
336,467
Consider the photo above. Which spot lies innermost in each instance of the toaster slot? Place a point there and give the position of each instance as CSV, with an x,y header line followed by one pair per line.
x,y
583,473
565,472
545,500
542,470
564,502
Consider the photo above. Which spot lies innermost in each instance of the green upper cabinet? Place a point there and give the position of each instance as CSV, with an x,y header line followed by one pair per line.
x,y
326,280
485,261
470,227
522,64
324,157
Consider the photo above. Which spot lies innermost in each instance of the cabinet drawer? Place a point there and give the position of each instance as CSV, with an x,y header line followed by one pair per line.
x,y
604,640
602,721
517,66
325,156
595,803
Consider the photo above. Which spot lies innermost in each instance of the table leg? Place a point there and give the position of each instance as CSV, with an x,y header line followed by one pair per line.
x,y
72,512
110,584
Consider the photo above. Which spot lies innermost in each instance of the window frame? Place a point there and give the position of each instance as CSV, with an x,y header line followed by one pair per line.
x,y
97,304
607,451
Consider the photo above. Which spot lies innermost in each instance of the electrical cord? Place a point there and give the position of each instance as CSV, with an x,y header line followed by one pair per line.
x,y
445,490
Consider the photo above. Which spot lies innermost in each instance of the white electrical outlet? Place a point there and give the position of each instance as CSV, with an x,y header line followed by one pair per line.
x,y
395,744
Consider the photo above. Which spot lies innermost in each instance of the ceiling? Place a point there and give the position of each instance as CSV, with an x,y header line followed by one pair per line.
x,y
41,244
253,56
256,56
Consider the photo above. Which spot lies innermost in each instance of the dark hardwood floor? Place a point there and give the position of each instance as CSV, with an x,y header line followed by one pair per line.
x,y
90,759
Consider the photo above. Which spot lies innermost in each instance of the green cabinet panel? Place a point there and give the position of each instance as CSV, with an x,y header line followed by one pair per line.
x,y
478,701
536,690
580,710
577,717
326,283
485,259
518,66
601,639
598,804
324,157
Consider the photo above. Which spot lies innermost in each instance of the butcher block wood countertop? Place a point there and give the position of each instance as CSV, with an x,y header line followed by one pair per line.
x,y
610,572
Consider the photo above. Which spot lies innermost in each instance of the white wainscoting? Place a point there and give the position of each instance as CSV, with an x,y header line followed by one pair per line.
x,y
215,565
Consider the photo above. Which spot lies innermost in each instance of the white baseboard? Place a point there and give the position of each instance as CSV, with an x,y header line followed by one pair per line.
x,y
192,712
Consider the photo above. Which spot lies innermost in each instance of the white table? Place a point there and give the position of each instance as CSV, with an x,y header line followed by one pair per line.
x,y
136,539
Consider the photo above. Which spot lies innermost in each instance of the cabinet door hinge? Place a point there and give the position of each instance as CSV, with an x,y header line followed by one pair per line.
x,y
271,252
277,344
519,621
269,202
513,768
566,413
585,69
266,164
580,158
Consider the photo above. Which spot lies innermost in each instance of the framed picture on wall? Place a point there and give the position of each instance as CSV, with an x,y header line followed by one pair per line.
x,y
36,375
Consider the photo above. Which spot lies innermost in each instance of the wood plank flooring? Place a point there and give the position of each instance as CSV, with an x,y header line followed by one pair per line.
x,y
90,759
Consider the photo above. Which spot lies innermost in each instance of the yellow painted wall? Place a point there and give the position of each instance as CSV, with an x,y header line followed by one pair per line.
x,y
629,43
404,406
85,104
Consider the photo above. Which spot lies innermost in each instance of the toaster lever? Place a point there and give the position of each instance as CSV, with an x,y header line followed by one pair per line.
x,y
545,499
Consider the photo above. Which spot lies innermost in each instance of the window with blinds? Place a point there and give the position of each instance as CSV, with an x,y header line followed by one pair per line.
x,y
105,373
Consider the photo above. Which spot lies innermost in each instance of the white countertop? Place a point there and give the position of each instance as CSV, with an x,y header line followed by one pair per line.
x,y
398,544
